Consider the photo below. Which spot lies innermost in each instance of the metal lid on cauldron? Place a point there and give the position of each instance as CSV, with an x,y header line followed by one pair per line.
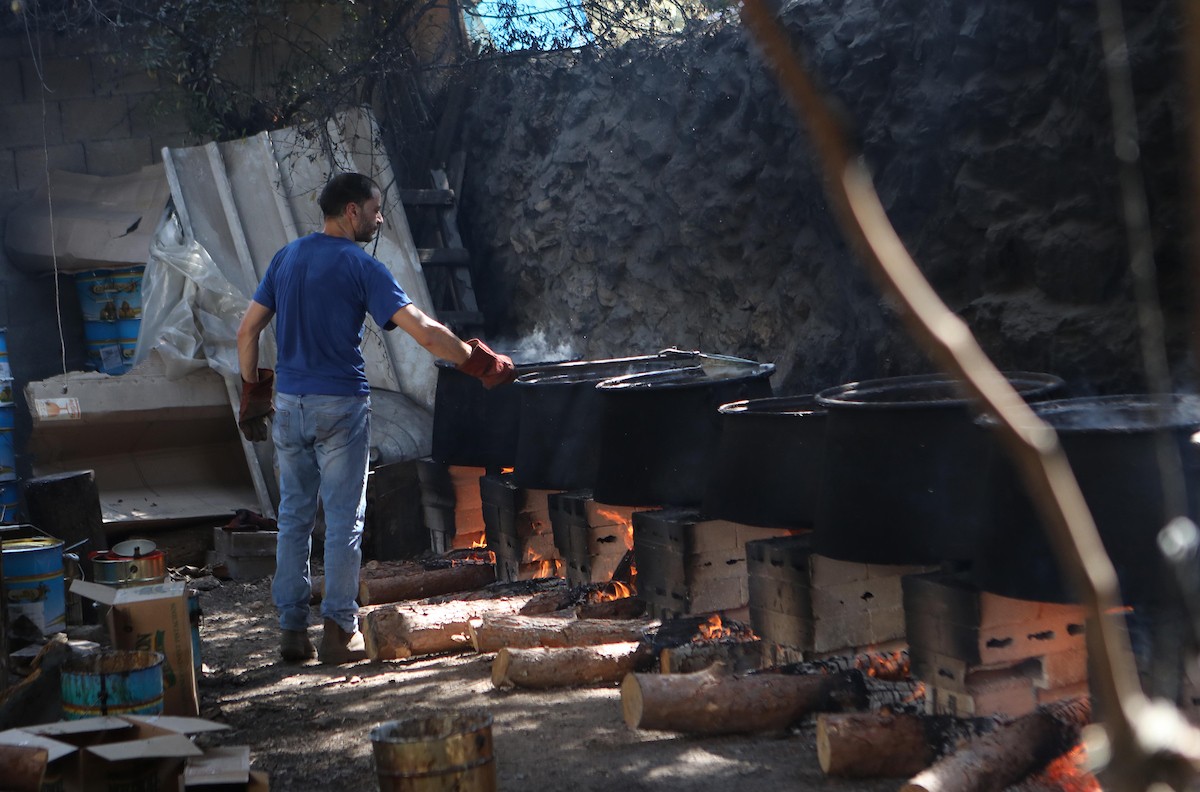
x,y
780,406
133,548
1128,413
923,391
585,371
711,369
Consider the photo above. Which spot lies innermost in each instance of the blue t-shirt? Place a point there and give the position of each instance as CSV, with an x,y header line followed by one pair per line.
x,y
321,289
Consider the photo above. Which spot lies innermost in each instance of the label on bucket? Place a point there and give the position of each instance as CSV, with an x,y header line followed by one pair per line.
x,y
65,409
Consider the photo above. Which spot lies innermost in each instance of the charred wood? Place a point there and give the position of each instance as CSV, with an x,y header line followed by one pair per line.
x,y
623,608
1008,754
889,744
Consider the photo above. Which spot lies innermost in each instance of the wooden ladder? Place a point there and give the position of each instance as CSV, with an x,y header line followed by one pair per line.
x,y
447,264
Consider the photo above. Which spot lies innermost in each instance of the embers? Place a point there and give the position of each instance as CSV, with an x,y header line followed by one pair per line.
x,y
517,523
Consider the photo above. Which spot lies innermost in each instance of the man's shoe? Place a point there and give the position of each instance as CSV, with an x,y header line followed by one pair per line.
x,y
339,646
295,647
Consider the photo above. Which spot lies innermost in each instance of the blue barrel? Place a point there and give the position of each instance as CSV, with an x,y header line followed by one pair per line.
x,y
10,503
33,582
115,682
8,449
127,292
96,295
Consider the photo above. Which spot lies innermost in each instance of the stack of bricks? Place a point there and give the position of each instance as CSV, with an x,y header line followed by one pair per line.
x,y
806,606
453,505
592,538
981,654
687,564
517,522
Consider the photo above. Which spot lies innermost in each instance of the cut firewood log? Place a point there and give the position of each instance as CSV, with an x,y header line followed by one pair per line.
x,y
713,702
23,767
568,666
396,581
623,608
736,656
1013,751
872,744
549,602
394,632
494,632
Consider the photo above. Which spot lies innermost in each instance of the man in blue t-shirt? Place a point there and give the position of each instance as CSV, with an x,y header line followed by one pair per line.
x,y
319,289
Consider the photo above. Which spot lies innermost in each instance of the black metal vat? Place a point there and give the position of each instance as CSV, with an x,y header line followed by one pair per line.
x,y
558,444
767,468
660,429
904,469
1113,446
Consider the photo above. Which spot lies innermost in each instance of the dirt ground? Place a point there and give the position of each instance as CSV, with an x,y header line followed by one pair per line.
x,y
309,725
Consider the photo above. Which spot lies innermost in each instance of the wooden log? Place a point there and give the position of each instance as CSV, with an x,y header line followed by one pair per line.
x,y
623,608
494,632
544,667
381,582
389,583
1010,753
872,744
549,602
395,632
67,506
713,702
736,656
23,767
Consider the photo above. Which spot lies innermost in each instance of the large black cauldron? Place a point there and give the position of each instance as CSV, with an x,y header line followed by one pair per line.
x,y
660,430
767,468
474,426
904,469
1112,444
558,445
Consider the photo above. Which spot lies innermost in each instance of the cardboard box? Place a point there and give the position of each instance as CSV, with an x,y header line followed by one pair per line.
x,y
225,769
107,754
154,618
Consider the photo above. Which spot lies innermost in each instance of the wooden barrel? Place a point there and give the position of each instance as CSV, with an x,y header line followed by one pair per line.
x,y
435,753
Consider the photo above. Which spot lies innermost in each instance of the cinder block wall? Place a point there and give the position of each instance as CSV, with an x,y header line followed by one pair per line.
x,y
69,106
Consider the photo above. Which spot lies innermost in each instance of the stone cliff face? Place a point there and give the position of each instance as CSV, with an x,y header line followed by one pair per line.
x,y
666,194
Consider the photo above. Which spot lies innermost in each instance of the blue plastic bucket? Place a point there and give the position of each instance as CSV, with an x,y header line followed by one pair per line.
x,y
103,343
8,451
127,292
116,682
10,503
33,582
96,295
127,337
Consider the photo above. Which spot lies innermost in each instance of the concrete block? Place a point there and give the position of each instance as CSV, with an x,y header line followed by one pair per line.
x,y
96,119
117,157
8,171
12,92
32,163
832,572
857,597
58,78
111,77
25,125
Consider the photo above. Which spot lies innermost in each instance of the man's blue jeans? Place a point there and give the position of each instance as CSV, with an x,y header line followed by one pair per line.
x,y
322,445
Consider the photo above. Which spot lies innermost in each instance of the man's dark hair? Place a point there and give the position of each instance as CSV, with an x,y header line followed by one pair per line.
x,y
343,189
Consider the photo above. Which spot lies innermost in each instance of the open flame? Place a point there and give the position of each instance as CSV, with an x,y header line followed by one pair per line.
x,y
891,666
624,523
478,543
613,590
1068,774
713,628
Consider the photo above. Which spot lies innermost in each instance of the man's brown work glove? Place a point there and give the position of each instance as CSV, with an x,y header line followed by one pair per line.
x,y
254,418
490,368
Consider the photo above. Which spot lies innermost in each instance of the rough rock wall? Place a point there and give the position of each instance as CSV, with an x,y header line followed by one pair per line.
x,y
666,194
